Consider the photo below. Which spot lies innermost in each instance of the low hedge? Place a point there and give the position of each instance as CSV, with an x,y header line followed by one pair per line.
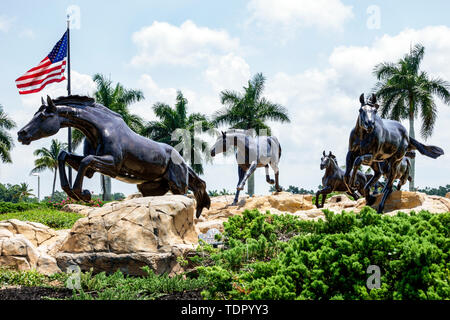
x,y
6,207
282,257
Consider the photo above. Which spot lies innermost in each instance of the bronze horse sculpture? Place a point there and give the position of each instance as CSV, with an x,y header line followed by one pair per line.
x,y
374,141
333,180
112,149
251,153
401,172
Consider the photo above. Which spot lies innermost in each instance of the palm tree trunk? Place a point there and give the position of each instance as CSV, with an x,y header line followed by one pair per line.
x,y
412,135
251,185
105,182
54,183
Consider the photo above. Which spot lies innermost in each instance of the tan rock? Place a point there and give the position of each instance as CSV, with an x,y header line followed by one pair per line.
x,y
139,231
35,232
47,265
447,195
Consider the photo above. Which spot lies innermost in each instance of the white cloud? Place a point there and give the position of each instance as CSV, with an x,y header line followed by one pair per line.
x,y
354,64
295,14
188,44
227,72
5,23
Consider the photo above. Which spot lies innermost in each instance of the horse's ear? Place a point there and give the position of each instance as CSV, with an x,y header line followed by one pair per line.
x,y
223,134
330,154
43,101
324,153
373,98
361,99
376,105
50,105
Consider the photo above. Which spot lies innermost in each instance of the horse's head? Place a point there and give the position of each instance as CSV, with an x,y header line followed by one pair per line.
x,y
326,160
44,123
220,145
367,113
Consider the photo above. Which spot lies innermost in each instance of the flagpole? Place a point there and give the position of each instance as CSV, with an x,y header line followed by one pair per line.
x,y
69,136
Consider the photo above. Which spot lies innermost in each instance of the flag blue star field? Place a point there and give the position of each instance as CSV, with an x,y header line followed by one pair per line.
x,y
50,69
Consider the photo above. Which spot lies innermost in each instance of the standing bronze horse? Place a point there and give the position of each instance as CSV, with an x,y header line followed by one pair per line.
x,y
374,141
112,149
251,153
333,179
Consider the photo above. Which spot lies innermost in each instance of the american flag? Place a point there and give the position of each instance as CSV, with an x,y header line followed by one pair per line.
x,y
49,70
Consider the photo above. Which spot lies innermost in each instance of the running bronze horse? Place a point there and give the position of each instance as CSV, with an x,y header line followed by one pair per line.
x,y
112,149
333,180
373,141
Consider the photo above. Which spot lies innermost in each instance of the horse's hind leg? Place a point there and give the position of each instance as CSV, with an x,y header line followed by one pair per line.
x,y
277,176
269,181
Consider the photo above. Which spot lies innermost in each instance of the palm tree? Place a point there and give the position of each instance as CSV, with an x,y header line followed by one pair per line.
x,y
23,191
48,159
177,119
117,98
249,110
406,92
6,141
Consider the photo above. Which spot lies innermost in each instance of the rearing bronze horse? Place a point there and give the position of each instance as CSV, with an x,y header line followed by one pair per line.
x,y
112,149
374,141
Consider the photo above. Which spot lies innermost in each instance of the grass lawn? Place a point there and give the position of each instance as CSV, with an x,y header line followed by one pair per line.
x,y
53,218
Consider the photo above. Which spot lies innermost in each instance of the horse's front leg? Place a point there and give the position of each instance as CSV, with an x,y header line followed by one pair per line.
x,y
370,199
247,175
241,173
350,159
324,193
364,159
104,164
62,159
388,187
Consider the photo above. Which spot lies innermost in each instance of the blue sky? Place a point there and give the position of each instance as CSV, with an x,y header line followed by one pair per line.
x,y
317,57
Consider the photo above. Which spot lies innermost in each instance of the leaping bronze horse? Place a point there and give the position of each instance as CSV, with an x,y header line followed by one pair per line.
x,y
112,149
374,141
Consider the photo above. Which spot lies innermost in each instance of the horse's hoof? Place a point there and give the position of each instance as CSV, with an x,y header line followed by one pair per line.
x,y
234,203
271,181
240,188
86,195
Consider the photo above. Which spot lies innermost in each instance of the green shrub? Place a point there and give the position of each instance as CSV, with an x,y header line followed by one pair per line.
x,y
6,207
281,257
53,218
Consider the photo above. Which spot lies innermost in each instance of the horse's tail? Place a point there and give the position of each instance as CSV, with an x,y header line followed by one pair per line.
x,y
429,151
198,186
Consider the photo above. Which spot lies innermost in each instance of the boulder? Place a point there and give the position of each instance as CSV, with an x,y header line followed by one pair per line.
x,y
36,233
127,235
447,195
18,252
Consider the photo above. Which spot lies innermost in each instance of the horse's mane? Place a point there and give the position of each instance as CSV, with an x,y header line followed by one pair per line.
x,y
242,131
77,101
